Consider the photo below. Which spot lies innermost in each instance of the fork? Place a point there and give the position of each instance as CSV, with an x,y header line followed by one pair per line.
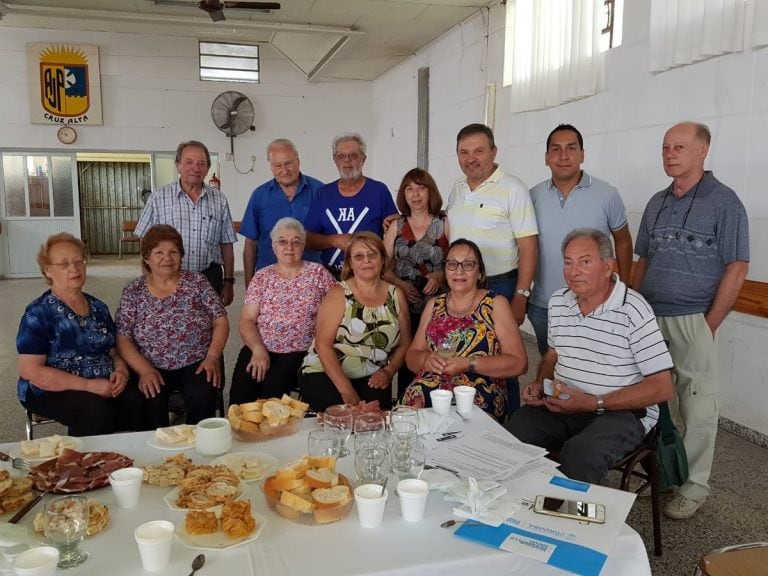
x,y
18,463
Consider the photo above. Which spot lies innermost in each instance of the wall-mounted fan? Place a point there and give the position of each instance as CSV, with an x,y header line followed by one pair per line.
x,y
215,8
233,114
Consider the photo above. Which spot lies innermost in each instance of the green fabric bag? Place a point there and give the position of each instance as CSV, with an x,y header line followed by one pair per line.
x,y
670,452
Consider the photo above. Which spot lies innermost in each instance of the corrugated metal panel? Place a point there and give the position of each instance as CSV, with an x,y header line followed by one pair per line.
x,y
110,192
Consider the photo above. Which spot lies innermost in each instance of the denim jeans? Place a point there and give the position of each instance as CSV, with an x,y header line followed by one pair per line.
x,y
506,286
539,319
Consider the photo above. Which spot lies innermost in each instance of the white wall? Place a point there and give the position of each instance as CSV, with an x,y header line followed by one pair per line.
x,y
623,128
152,100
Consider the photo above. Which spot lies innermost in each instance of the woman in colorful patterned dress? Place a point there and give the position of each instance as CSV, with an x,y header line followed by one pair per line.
x,y
68,367
466,336
362,333
172,329
416,245
277,323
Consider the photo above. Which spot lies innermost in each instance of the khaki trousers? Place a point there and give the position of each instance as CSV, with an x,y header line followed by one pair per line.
x,y
694,353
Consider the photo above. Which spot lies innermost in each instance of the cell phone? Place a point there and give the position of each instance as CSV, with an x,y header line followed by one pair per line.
x,y
570,509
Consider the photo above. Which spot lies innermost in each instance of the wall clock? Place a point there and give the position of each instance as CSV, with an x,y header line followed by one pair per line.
x,y
66,135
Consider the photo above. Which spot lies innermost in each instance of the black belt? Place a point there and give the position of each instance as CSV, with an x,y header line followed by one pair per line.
x,y
502,276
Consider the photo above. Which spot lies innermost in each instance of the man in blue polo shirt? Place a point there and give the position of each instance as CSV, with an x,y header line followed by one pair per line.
x,y
289,193
571,199
353,203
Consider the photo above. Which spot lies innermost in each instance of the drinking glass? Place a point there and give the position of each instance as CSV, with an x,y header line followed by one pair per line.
x,y
447,347
342,418
404,414
418,460
402,440
370,430
370,464
65,526
324,442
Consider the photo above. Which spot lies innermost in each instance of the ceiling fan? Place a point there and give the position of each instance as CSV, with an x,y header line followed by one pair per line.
x,y
215,8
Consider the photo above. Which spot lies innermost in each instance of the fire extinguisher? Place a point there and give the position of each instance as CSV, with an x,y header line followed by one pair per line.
x,y
214,182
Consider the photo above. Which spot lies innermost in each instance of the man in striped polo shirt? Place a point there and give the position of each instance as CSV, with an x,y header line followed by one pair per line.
x,y
607,359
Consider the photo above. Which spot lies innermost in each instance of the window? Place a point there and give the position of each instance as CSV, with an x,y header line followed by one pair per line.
x,y
553,49
221,62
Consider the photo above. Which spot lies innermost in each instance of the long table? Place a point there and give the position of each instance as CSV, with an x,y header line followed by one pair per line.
x,y
339,549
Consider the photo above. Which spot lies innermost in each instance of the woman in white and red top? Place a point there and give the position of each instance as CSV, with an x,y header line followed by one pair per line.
x,y
277,323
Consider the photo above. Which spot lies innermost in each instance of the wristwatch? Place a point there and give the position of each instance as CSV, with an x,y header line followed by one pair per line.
x,y
473,364
230,280
600,406
523,292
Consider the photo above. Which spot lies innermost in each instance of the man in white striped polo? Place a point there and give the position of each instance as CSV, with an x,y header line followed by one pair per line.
x,y
608,361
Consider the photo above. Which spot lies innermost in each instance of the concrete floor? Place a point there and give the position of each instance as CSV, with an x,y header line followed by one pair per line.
x,y
735,513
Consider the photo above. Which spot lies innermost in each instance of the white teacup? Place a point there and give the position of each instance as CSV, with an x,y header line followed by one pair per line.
x,y
213,436
413,495
441,401
371,501
126,484
40,561
465,399
155,540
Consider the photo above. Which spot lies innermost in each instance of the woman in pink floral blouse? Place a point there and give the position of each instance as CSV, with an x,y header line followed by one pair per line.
x,y
171,330
277,323
466,336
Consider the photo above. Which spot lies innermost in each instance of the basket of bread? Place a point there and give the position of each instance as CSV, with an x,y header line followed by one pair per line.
x,y
266,418
309,491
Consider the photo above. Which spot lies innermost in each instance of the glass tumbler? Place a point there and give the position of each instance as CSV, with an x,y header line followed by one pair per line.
x,y
65,525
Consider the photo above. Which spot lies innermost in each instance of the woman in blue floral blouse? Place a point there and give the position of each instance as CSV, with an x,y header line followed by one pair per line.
x,y
69,369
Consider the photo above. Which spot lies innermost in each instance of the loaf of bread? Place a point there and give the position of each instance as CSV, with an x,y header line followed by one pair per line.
x,y
296,502
321,478
331,497
295,469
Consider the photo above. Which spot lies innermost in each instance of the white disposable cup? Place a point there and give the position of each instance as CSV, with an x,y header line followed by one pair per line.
x,y
40,561
213,436
465,399
441,401
155,540
413,495
370,504
126,484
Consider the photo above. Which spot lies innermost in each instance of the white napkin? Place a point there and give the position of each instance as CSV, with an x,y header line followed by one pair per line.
x,y
479,500
430,422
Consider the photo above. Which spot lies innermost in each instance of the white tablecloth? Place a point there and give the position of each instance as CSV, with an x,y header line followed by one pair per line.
x,y
339,549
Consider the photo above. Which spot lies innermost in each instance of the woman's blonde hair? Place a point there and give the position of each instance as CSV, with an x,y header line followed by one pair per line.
x,y
43,258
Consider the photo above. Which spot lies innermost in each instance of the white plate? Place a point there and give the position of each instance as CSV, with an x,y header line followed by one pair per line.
x,y
155,442
259,464
173,495
15,452
218,540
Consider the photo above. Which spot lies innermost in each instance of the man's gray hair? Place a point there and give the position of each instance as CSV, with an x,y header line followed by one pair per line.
x,y
192,144
281,143
702,132
604,245
288,223
346,136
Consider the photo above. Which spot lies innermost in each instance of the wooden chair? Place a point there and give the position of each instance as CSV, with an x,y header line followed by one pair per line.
x,y
644,456
35,420
127,235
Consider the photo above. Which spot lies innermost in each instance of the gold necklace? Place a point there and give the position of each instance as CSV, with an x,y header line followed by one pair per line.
x,y
467,310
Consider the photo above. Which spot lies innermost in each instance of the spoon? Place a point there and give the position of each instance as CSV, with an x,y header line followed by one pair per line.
x,y
197,563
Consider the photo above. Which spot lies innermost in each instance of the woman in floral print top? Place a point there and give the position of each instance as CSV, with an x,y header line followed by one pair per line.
x,y
171,330
277,323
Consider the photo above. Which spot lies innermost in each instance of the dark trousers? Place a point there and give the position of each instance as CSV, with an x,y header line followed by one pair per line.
x,y
215,275
589,445
88,414
506,285
281,378
199,396
405,376
319,391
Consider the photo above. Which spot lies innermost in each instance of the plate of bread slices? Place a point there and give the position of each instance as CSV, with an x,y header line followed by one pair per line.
x,y
234,524
178,437
249,466
266,418
43,449
15,492
309,491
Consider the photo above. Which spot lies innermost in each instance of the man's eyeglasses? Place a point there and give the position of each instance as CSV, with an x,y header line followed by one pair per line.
x,y
363,256
466,265
293,242
66,265
355,156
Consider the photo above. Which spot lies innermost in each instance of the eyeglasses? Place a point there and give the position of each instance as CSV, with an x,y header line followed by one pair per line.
x,y
66,265
354,156
466,265
293,242
363,256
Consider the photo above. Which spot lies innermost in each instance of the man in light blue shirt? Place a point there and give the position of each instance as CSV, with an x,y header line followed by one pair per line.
x,y
289,193
571,199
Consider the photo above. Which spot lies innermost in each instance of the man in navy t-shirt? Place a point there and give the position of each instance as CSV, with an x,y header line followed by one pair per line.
x,y
353,203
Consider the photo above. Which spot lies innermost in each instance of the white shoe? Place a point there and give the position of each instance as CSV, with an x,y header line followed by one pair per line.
x,y
680,507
